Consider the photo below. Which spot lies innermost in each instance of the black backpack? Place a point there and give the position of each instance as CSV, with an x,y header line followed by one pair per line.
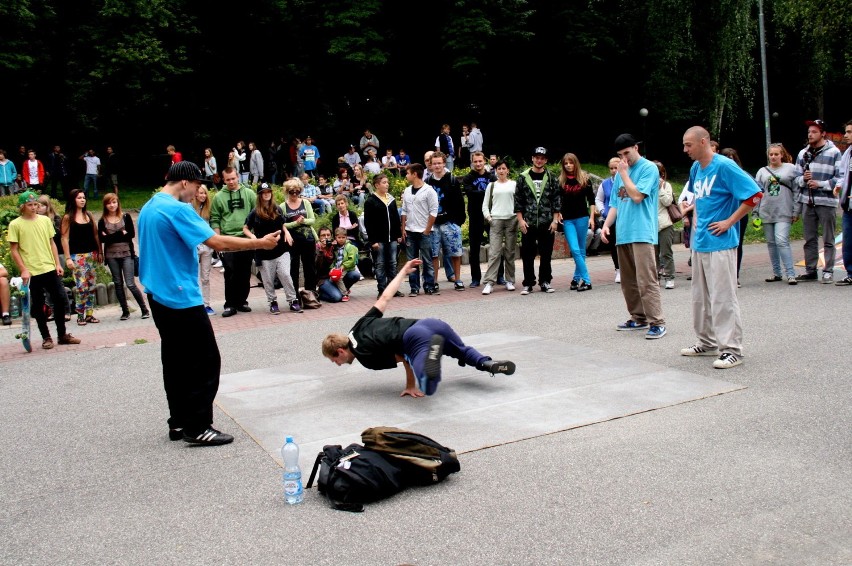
x,y
352,476
423,460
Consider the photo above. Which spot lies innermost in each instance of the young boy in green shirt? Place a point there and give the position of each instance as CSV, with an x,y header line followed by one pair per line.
x,y
35,253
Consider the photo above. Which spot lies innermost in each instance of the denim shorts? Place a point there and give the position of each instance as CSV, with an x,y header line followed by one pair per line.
x,y
447,236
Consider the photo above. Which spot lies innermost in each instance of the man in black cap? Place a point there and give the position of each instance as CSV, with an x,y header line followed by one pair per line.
x,y
633,210
169,232
537,205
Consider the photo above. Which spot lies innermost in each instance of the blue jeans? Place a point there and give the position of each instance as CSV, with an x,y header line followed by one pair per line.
x,y
575,232
847,242
92,180
329,293
349,279
419,245
778,241
385,267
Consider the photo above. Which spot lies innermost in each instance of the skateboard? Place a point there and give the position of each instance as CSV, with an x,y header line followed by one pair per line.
x,y
24,335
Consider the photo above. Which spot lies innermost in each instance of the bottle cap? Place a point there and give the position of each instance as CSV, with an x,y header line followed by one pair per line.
x,y
288,439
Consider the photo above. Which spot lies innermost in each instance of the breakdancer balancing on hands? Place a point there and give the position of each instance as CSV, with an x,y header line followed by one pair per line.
x,y
381,343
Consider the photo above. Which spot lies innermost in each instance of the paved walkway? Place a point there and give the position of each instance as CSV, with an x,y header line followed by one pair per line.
x,y
759,475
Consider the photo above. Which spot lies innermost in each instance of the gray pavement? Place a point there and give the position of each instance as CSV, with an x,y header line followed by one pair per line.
x,y
759,475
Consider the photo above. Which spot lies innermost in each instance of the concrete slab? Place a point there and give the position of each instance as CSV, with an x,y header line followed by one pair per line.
x,y
558,386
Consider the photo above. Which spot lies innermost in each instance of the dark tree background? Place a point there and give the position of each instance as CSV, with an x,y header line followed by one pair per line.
x,y
571,75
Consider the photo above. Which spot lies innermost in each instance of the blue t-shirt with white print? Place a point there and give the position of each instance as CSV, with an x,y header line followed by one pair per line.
x,y
719,189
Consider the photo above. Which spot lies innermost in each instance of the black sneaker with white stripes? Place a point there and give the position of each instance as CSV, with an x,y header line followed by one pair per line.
x,y
432,367
210,437
428,382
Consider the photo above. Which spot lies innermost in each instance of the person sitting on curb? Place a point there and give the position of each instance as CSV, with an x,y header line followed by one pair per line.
x,y
381,343
5,295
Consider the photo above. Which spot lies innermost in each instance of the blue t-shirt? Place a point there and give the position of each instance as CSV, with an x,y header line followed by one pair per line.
x,y
720,189
169,231
310,154
637,222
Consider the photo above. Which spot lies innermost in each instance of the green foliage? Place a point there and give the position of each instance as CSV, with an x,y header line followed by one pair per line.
x,y
353,37
813,29
16,42
9,210
397,186
103,71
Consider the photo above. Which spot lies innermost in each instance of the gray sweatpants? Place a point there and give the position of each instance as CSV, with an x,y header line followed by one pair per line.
x,y
715,308
814,217
279,266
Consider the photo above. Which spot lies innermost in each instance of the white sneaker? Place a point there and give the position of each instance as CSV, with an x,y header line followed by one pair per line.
x,y
510,286
618,276
828,277
669,283
727,360
487,289
698,350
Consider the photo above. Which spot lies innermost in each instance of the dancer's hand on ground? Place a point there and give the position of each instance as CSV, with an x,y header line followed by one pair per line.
x,y
412,392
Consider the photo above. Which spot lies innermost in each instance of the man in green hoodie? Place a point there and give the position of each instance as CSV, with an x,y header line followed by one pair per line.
x,y
228,213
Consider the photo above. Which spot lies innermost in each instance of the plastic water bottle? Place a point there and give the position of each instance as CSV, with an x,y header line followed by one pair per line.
x,y
293,491
14,306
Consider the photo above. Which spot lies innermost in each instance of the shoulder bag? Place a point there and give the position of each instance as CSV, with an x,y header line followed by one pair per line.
x,y
490,200
133,250
674,212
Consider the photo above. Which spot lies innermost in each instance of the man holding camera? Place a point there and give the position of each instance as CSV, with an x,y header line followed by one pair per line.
x,y
228,214
817,173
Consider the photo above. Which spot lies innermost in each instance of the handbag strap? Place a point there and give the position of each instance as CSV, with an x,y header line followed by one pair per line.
x,y
314,470
132,248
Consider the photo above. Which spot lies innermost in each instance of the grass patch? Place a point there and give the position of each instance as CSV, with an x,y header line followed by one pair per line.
x,y
133,198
